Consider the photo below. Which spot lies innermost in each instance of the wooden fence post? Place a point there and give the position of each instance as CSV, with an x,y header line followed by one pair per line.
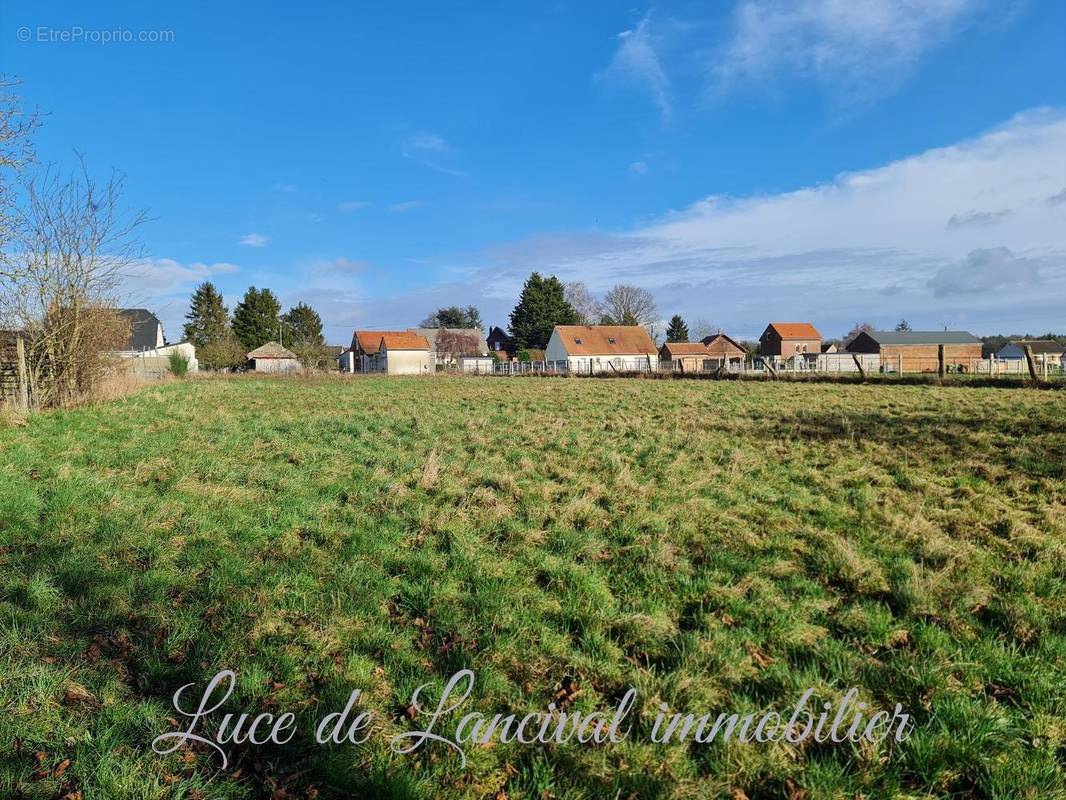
x,y
940,361
23,374
858,363
1031,362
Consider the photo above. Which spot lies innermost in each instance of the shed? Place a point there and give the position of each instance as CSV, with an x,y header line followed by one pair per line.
x,y
272,357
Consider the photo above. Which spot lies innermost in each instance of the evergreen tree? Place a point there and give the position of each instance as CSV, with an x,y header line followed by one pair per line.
x,y
301,326
541,306
903,325
255,319
207,318
678,330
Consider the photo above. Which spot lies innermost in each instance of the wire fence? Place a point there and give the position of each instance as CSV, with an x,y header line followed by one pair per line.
x,y
835,364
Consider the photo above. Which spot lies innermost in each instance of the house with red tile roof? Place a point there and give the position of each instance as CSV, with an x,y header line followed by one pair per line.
x,y
782,341
602,348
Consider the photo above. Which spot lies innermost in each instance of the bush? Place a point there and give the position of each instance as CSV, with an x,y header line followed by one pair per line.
x,y
524,355
224,355
179,364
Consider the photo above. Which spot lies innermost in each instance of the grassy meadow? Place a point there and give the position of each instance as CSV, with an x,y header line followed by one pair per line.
x,y
717,545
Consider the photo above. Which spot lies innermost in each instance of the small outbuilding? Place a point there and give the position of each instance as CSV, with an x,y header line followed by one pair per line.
x,y
273,358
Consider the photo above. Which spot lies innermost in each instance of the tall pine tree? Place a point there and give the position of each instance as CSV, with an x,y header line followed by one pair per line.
x,y
540,308
678,330
255,319
207,320
301,326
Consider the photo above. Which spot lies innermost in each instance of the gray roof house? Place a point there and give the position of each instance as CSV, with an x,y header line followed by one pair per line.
x,y
889,338
146,331
1043,349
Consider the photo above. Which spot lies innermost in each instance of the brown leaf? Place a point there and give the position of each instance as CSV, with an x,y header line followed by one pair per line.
x,y
76,694
759,656
795,792
411,711
739,794
74,795
61,767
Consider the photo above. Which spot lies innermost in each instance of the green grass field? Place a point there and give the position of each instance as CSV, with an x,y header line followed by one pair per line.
x,y
717,545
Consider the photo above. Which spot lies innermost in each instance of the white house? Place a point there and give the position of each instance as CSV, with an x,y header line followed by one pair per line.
x,y
146,347
603,348
403,353
1047,353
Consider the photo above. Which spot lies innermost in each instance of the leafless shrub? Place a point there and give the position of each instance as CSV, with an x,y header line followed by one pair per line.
x,y
73,243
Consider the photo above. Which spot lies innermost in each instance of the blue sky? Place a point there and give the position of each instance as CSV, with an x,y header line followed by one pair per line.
x,y
819,159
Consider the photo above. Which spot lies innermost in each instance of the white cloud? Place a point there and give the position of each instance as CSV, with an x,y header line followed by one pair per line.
x,y
285,188
834,252
427,141
341,265
254,240
352,205
163,286
639,167
407,205
636,61
858,47
431,150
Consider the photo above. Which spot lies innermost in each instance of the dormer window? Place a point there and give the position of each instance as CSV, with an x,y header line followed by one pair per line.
x,y
610,340
577,340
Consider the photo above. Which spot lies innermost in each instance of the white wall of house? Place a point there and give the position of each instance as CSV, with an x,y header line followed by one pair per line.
x,y
407,362
475,364
188,349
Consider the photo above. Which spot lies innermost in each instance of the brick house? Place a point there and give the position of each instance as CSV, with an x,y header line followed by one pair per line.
x,y
784,340
918,351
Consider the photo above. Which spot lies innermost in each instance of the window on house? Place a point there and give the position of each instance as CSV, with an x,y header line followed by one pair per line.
x,y
610,339
576,340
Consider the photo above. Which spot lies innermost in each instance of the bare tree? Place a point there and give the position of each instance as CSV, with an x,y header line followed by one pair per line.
x,y
16,152
856,329
73,245
701,329
588,308
629,305
453,345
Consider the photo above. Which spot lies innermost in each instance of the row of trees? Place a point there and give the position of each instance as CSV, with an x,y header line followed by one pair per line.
x,y
222,341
